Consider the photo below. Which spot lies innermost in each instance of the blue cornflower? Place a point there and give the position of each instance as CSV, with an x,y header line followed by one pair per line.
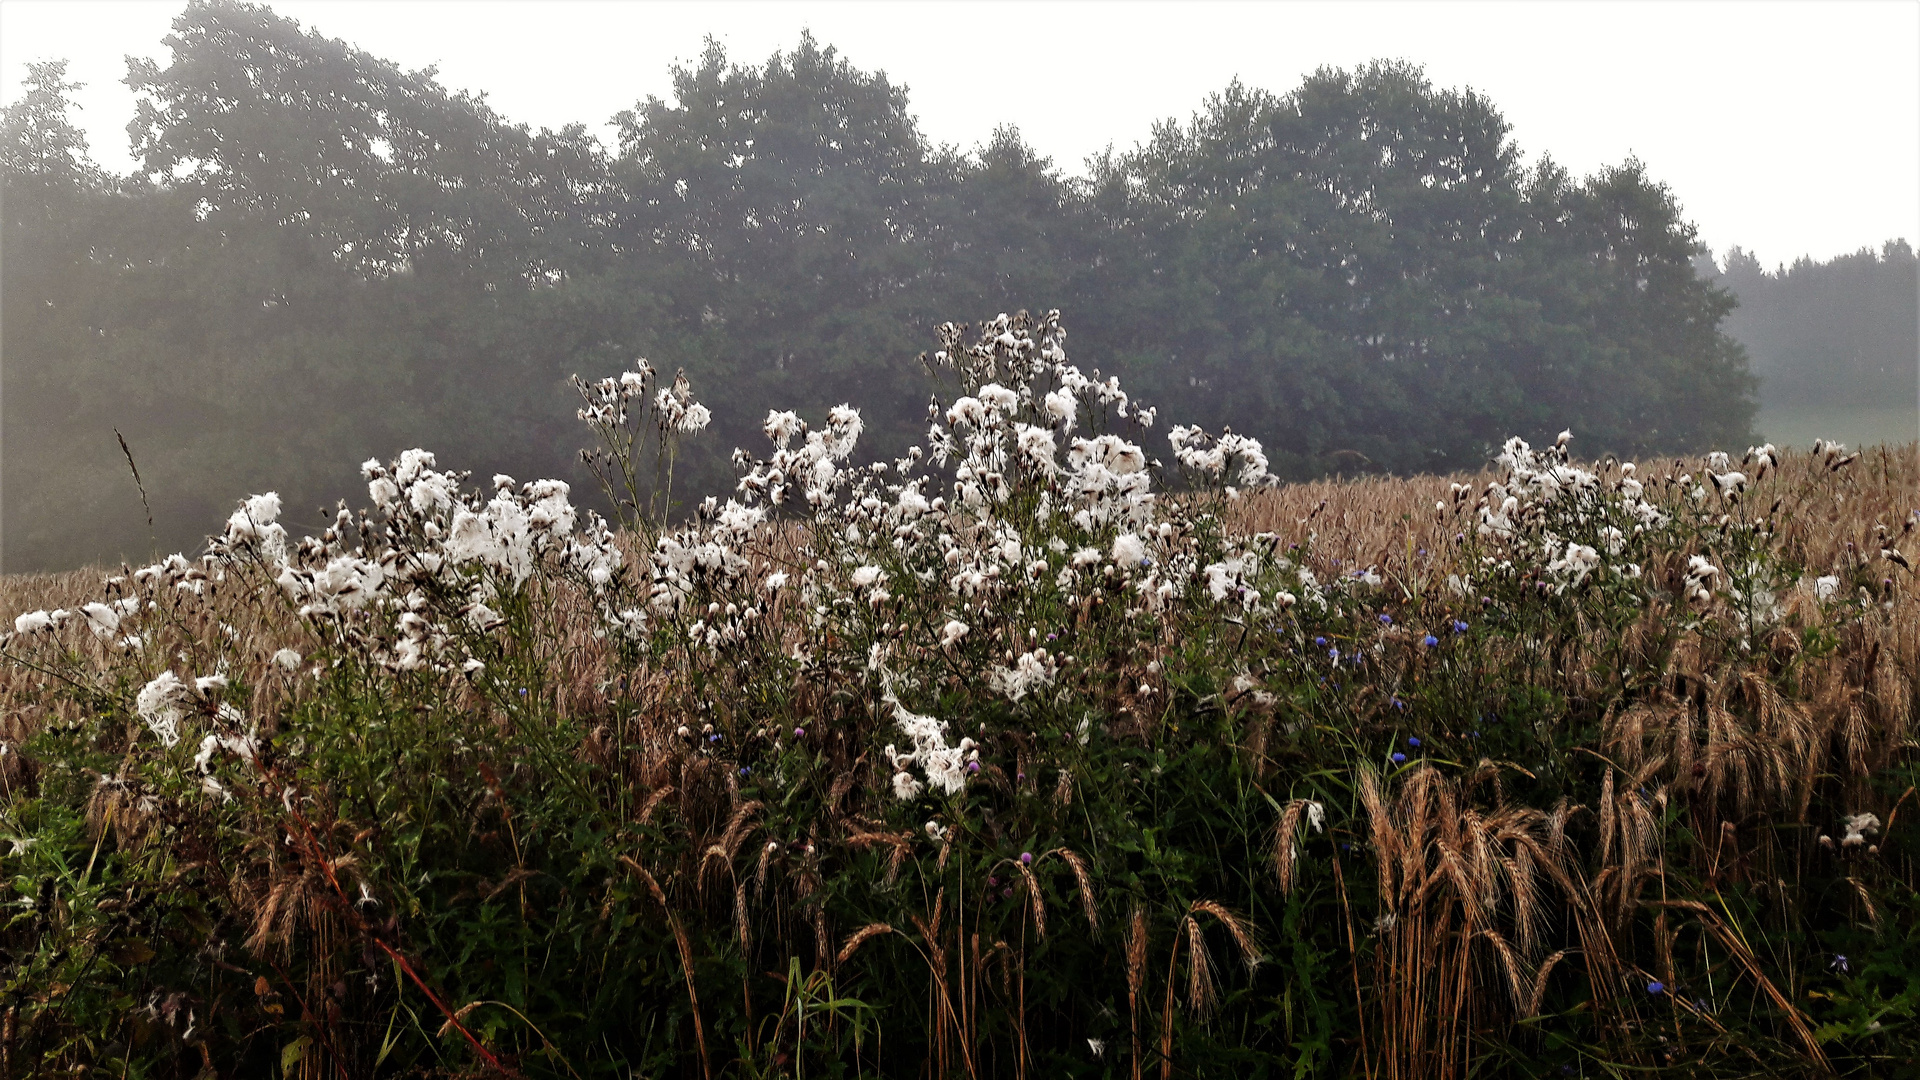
x,y
1430,641
744,770
1320,641
1459,626
1398,757
1386,619
1656,987
1413,741
1840,963
1333,655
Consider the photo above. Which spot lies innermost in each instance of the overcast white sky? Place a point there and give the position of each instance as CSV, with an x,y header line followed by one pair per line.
x,y
1786,128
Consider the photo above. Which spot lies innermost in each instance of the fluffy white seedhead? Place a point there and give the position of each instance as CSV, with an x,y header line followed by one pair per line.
x,y
158,704
1859,827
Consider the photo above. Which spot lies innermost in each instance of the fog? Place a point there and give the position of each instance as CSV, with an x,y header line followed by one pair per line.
x,y
325,257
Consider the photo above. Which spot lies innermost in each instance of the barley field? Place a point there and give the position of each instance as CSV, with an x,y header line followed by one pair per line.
x,y
1023,754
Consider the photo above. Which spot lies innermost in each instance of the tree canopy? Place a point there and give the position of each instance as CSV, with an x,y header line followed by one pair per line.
x,y
325,258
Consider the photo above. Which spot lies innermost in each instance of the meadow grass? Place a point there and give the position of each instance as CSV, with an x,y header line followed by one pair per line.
x,y
998,759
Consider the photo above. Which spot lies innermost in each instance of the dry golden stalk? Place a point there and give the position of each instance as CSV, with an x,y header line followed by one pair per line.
x,y
1084,879
1745,958
1136,976
1540,983
1200,988
858,938
686,959
1285,846
1035,902
1239,927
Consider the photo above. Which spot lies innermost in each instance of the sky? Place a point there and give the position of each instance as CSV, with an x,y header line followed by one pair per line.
x,y
1786,128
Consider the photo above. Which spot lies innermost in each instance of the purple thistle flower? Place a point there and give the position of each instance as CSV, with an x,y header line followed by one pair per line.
x,y
799,733
1026,858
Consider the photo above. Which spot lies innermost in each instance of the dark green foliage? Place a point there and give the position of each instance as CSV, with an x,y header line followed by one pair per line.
x,y
1361,273
326,258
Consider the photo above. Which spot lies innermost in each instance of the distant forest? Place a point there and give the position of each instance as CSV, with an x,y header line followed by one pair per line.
x,y
1830,336
325,258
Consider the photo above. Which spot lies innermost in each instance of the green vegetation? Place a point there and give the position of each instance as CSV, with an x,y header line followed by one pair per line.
x,y
326,258
992,759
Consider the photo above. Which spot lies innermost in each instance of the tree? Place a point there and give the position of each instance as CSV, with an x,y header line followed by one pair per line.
x,y
1828,335
781,212
324,258
1361,272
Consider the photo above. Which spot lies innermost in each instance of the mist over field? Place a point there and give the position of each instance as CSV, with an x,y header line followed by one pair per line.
x,y
325,258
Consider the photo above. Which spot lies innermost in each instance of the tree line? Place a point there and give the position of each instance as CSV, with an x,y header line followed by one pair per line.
x,y
323,258
1833,334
